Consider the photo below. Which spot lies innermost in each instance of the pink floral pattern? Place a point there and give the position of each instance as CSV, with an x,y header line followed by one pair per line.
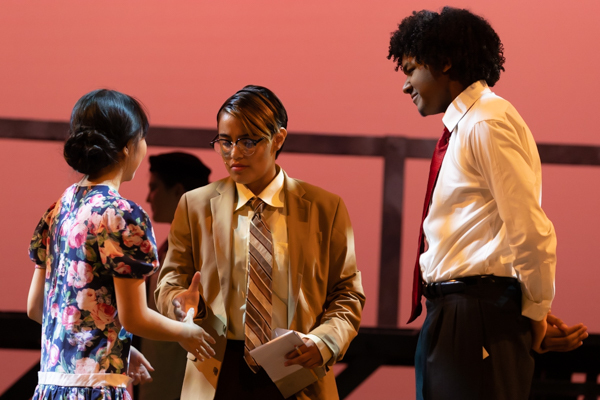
x,y
88,237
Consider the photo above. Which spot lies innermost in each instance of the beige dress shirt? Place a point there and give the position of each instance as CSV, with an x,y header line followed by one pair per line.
x,y
275,214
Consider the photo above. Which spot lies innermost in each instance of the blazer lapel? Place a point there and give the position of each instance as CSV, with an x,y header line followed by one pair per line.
x,y
222,211
298,233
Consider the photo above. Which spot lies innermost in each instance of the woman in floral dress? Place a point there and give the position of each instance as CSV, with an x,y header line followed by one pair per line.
x,y
92,250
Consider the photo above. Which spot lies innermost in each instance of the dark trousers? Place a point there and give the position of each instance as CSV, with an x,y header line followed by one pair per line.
x,y
449,359
237,381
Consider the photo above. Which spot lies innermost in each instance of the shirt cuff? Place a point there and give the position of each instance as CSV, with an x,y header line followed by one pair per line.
x,y
535,311
323,348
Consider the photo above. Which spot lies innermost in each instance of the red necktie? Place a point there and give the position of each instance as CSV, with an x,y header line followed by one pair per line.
x,y
434,169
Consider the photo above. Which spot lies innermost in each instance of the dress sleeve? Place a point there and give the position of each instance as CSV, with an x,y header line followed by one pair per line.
x,y
38,247
126,243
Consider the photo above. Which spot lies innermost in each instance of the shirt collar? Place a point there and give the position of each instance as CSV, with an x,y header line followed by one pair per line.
x,y
272,194
463,102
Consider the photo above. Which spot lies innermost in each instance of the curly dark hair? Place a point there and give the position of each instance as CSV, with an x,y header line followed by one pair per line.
x,y
466,40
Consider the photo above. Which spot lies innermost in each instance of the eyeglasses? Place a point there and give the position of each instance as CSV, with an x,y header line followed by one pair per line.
x,y
246,146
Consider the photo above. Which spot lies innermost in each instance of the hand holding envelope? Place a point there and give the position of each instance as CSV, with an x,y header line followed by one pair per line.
x,y
271,356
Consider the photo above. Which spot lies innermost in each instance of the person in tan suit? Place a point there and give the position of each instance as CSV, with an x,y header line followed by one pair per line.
x,y
316,288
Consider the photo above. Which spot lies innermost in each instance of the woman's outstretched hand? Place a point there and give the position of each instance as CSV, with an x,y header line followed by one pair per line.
x,y
198,342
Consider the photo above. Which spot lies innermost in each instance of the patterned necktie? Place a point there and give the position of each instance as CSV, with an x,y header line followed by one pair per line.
x,y
258,304
434,169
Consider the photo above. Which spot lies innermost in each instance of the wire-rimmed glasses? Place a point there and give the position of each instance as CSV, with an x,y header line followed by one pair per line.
x,y
246,146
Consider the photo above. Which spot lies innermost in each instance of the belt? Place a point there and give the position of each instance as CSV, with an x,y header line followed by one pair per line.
x,y
458,285
83,380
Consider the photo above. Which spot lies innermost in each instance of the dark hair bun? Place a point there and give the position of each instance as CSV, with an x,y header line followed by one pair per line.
x,y
103,122
89,151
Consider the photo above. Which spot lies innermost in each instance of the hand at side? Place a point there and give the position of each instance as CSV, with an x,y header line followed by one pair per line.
x,y
139,367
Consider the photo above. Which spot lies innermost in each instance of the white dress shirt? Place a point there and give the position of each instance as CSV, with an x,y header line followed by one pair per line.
x,y
275,214
485,215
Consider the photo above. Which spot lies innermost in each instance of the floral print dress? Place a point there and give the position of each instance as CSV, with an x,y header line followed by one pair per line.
x,y
89,236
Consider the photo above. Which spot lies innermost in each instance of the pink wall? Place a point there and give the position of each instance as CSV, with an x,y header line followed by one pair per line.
x,y
327,62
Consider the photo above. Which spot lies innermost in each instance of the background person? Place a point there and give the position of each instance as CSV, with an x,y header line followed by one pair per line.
x,y
92,251
171,175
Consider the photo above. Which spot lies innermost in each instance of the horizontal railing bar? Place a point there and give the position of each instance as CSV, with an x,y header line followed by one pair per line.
x,y
306,143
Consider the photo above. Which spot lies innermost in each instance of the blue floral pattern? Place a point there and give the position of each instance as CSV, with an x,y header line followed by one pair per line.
x,y
89,236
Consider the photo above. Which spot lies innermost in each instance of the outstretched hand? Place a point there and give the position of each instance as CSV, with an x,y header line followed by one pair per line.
x,y
188,299
561,337
198,342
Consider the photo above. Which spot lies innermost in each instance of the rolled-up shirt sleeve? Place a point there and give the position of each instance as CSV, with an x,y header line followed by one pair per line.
x,y
507,158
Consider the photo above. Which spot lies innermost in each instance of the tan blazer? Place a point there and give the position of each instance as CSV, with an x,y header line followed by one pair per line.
x,y
326,296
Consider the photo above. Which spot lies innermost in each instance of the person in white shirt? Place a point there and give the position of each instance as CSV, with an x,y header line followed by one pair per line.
x,y
489,252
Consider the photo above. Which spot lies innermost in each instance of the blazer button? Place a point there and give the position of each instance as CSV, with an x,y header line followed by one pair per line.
x,y
215,371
